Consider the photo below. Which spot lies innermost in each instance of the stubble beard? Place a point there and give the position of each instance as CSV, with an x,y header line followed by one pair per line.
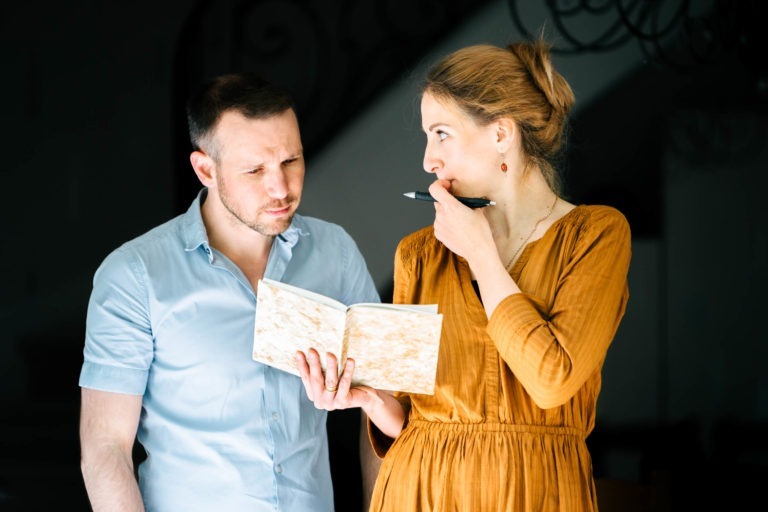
x,y
272,229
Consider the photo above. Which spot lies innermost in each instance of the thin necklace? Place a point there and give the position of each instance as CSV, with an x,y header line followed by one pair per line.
x,y
549,212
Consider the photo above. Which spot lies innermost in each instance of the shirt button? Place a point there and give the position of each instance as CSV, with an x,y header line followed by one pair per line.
x,y
279,468
275,416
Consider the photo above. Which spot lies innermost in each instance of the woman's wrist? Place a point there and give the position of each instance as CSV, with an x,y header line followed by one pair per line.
x,y
373,403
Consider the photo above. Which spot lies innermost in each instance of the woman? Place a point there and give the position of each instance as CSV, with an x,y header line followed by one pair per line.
x,y
532,290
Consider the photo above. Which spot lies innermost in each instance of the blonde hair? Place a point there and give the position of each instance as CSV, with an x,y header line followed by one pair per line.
x,y
489,82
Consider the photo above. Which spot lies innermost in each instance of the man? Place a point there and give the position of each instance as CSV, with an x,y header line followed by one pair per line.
x,y
170,322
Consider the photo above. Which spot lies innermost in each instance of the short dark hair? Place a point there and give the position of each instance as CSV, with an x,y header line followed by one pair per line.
x,y
247,93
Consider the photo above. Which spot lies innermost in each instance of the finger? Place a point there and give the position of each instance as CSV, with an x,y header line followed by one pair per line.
x,y
342,397
331,374
438,190
439,184
441,191
316,375
301,365
345,382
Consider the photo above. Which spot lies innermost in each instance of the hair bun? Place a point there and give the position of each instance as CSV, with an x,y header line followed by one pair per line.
x,y
536,57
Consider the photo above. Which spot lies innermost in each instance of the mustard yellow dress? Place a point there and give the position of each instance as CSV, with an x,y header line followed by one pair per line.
x,y
515,395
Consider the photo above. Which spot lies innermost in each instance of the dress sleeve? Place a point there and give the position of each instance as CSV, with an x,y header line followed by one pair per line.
x,y
381,442
552,352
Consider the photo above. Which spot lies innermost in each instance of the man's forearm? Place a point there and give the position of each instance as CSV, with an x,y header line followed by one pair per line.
x,y
110,482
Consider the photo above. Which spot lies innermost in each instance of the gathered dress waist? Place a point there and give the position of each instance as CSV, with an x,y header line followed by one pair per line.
x,y
441,426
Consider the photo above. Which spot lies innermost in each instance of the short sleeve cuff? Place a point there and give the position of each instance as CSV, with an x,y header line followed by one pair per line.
x,y
130,381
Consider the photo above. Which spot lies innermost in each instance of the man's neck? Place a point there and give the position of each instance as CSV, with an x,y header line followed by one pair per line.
x,y
245,247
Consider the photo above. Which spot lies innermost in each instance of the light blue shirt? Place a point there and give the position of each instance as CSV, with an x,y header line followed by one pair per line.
x,y
172,319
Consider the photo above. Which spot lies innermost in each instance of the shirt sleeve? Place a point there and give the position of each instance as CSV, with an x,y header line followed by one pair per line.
x,y
553,353
359,283
118,336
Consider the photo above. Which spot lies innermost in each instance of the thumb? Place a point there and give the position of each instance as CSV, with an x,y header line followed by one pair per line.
x,y
439,189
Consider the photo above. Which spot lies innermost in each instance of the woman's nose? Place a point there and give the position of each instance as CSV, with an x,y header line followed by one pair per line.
x,y
430,164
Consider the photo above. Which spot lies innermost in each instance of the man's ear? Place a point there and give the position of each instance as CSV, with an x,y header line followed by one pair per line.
x,y
204,167
506,132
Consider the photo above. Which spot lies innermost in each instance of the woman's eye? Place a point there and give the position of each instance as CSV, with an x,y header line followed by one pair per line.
x,y
442,135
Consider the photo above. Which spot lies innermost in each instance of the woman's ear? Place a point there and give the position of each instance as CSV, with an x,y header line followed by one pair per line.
x,y
506,134
204,167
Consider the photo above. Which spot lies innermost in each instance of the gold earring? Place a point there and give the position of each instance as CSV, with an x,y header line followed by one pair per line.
x,y
503,167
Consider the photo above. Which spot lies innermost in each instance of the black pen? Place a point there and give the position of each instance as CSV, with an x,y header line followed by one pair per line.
x,y
472,202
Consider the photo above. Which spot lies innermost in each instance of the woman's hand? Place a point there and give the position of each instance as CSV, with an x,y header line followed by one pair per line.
x,y
328,390
463,230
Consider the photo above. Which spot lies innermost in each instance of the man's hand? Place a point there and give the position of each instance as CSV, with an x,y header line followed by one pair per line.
x,y
327,390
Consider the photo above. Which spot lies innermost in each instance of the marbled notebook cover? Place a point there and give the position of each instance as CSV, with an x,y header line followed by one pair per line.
x,y
395,347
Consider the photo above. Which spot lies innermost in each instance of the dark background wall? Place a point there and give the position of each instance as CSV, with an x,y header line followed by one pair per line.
x,y
94,154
